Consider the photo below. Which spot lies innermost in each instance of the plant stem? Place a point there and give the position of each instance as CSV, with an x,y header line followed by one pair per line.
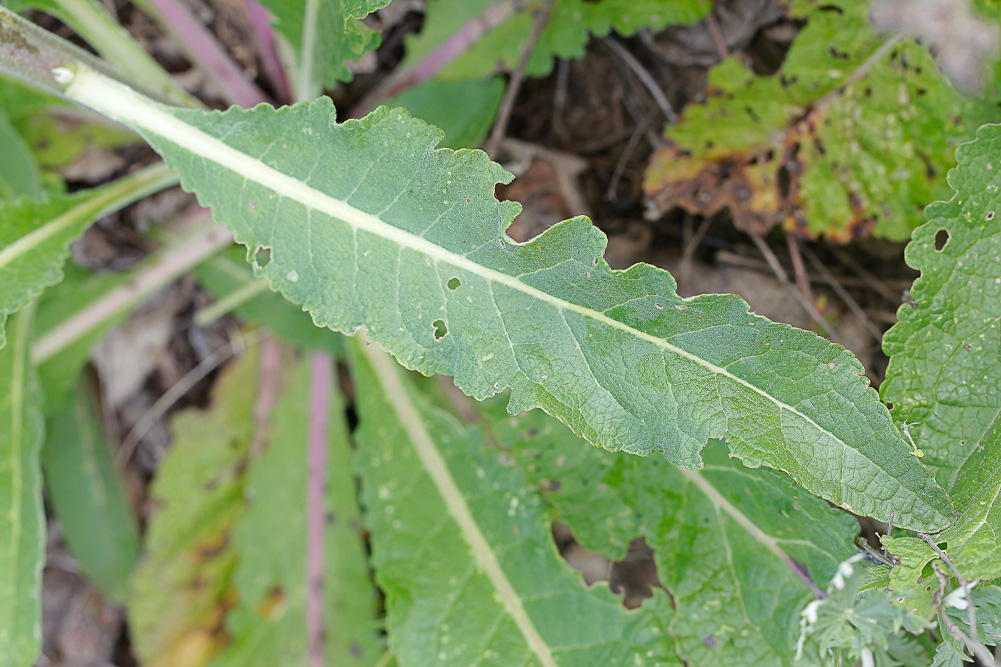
x,y
230,302
270,62
440,57
90,20
160,270
204,51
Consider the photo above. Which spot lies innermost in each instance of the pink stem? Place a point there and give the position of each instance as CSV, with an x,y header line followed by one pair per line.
x,y
460,42
260,22
208,54
319,413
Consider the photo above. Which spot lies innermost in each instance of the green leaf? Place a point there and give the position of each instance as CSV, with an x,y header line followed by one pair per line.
x,y
268,624
88,495
180,588
731,545
851,136
944,376
325,35
228,274
22,519
565,35
365,223
35,236
464,110
19,175
463,549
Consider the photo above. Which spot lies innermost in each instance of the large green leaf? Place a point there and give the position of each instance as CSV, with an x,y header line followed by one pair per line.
x,y
325,35
19,175
366,223
463,549
88,495
22,519
35,236
944,377
565,35
853,134
268,624
731,545
464,110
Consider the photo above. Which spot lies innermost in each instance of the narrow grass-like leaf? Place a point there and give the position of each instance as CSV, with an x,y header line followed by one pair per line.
x,y
463,549
944,377
22,520
88,495
35,236
366,223
268,624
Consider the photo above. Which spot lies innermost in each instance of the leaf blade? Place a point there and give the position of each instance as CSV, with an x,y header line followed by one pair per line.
x,y
22,519
385,198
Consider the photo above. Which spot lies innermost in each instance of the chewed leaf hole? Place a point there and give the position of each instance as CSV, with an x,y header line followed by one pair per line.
x,y
453,283
440,329
634,577
262,257
941,238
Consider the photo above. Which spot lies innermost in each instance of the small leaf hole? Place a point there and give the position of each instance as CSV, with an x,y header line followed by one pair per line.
x,y
440,329
262,257
453,283
941,238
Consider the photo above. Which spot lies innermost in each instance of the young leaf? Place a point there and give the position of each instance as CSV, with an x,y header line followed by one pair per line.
x,y
35,236
726,540
88,495
564,36
846,139
944,376
325,35
268,624
22,519
366,223
463,549
19,175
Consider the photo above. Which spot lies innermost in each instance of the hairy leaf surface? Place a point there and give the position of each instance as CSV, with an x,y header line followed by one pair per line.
x,y
366,223
35,236
944,377
88,495
848,138
22,518
565,35
463,550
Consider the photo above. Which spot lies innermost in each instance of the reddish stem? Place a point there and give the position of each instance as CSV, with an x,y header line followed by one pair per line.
x,y
260,23
319,414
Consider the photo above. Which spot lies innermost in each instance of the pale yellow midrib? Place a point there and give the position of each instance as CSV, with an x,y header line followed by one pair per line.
x,y
126,105
388,375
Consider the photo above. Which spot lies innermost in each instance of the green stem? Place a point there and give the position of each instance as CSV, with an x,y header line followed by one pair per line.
x,y
25,48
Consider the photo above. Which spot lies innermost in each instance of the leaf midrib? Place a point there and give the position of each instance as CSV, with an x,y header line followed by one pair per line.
x,y
126,105
388,375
